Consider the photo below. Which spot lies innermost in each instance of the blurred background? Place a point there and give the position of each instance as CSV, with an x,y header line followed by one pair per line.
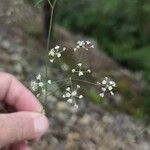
x,y
120,29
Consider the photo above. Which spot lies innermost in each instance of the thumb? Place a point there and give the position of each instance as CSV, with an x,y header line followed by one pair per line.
x,y
21,126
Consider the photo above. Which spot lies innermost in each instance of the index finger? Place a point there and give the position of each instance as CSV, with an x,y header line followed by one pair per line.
x,y
13,93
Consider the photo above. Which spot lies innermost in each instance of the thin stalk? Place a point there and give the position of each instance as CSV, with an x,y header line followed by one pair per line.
x,y
48,43
84,81
50,3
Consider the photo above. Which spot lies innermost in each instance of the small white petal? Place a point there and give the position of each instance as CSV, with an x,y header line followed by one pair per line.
x,y
103,89
52,53
78,86
68,89
81,96
38,77
98,83
68,94
89,70
81,73
64,48
34,85
51,60
41,84
112,93
70,100
104,82
73,70
49,82
79,64
74,93
92,46
58,55
88,42
110,88
101,94
64,96
57,47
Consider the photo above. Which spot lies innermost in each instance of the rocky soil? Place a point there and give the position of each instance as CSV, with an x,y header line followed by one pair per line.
x,y
90,128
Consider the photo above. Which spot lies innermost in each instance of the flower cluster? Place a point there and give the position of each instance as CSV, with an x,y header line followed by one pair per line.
x,y
80,71
107,85
55,53
39,85
71,95
83,44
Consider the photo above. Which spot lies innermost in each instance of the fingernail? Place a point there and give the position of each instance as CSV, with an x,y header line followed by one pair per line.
x,y
40,125
26,148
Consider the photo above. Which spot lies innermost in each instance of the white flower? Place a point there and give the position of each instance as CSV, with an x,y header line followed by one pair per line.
x,y
68,94
103,89
88,42
79,64
52,53
74,93
92,46
58,55
71,95
107,86
38,77
64,48
73,70
78,86
41,84
99,83
101,95
55,52
70,100
34,86
89,70
68,89
83,44
110,88
49,82
51,60
57,47
104,82
81,96
81,73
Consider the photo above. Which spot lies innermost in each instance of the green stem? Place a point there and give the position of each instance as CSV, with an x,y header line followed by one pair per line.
x,y
48,44
84,81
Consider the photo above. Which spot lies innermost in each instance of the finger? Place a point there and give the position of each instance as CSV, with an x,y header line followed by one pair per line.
x,y
15,94
21,126
20,146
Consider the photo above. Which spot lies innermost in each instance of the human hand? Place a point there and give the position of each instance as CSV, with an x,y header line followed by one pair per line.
x,y
26,122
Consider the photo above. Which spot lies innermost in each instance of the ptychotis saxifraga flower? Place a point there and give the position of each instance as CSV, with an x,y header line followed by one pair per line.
x,y
72,95
80,71
55,52
107,85
83,44
39,85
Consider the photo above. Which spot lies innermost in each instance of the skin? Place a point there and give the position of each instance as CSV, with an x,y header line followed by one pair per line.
x,y
26,122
